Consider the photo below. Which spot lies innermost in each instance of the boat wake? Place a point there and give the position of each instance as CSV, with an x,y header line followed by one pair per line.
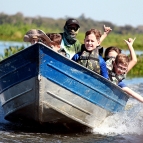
x,y
129,121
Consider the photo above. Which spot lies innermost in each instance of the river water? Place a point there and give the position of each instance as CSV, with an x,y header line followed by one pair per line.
x,y
7,44
123,127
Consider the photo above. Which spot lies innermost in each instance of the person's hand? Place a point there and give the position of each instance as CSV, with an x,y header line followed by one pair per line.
x,y
130,41
107,30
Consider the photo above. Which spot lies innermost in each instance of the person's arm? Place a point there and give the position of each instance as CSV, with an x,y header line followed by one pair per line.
x,y
106,32
103,68
133,58
133,94
76,57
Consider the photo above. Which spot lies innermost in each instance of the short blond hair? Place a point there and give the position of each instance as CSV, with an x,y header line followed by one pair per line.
x,y
96,32
122,59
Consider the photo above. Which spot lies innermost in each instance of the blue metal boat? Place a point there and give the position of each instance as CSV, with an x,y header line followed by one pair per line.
x,y
38,84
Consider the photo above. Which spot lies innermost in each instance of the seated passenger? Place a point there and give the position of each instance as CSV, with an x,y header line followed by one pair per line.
x,y
35,35
89,56
70,42
52,40
117,72
112,52
56,43
56,38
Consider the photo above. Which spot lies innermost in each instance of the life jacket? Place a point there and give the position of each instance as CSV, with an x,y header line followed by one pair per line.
x,y
114,78
100,50
90,60
63,52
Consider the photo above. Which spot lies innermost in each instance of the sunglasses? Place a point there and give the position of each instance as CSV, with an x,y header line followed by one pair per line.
x,y
123,69
75,28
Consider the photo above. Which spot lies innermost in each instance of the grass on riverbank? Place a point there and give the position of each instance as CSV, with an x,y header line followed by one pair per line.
x,y
10,32
137,70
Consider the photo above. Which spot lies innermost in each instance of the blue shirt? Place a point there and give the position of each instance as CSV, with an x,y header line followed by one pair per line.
x,y
103,69
122,84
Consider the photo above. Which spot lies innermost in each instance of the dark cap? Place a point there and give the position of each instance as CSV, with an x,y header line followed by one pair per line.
x,y
72,21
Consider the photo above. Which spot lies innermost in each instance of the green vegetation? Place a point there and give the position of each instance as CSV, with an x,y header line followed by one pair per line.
x,y
10,51
118,40
14,27
137,70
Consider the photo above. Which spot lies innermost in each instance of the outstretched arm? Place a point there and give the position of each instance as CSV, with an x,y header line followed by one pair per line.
x,y
133,94
133,59
106,32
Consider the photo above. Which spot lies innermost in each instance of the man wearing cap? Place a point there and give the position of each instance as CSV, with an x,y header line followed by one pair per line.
x,y
69,42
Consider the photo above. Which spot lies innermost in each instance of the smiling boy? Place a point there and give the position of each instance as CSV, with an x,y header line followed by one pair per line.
x,y
117,70
89,57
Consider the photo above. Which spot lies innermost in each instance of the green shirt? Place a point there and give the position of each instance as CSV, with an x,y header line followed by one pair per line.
x,y
71,49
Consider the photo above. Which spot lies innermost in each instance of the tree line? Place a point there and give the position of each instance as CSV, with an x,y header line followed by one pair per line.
x,y
13,28
57,24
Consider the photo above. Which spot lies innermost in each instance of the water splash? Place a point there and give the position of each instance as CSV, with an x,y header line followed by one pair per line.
x,y
129,121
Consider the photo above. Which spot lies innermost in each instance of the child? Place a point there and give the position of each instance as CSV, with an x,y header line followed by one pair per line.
x,y
56,43
112,52
56,38
89,56
117,72
117,68
52,40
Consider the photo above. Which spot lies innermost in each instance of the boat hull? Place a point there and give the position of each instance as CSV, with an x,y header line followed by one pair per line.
x,y
40,85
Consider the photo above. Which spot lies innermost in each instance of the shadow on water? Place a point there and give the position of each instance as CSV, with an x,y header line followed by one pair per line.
x,y
34,127
49,132
53,133
44,128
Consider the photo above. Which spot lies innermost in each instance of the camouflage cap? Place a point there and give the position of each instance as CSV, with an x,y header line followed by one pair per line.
x,y
36,33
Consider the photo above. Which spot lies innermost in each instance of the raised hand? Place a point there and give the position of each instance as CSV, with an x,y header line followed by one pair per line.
x,y
130,41
107,29
133,57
